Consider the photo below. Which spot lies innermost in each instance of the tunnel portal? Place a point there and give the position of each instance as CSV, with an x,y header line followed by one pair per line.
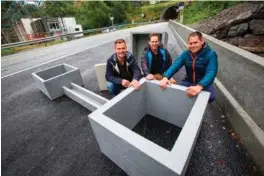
x,y
171,12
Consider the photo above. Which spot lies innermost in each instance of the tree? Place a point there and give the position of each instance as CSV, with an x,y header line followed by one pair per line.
x,y
13,11
31,11
93,15
58,8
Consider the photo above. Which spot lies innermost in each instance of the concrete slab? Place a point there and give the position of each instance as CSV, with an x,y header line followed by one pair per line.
x,y
51,80
113,122
86,98
100,70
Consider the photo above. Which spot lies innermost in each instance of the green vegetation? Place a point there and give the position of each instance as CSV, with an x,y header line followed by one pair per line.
x,y
200,10
151,12
8,51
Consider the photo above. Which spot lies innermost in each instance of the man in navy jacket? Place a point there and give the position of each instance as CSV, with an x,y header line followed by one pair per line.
x,y
201,66
122,70
155,60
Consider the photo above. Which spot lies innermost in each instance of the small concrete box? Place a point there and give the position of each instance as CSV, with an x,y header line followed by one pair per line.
x,y
136,155
50,81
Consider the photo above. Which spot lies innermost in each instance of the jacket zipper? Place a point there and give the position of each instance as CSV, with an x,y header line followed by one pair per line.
x,y
193,67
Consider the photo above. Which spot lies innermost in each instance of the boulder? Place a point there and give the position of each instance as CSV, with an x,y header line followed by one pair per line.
x,y
257,27
239,29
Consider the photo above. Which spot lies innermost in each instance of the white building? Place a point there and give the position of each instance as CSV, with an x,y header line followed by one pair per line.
x,y
34,28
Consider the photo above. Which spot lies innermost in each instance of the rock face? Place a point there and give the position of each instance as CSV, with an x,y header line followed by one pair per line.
x,y
241,25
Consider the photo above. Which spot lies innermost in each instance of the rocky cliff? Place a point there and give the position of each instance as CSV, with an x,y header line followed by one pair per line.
x,y
241,25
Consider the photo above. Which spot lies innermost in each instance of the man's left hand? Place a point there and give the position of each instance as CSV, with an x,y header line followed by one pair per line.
x,y
194,90
135,84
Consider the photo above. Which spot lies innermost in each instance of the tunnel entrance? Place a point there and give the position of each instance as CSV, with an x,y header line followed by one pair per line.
x,y
171,12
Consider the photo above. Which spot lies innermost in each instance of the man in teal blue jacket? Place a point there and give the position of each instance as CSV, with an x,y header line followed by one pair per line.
x,y
201,66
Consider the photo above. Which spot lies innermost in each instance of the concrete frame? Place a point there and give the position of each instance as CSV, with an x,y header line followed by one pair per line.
x,y
112,124
51,80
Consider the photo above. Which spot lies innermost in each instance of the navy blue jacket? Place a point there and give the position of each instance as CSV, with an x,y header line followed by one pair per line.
x,y
112,71
201,69
146,60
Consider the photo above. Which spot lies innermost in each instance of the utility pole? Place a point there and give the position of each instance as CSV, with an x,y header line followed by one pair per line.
x,y
112,19
181,7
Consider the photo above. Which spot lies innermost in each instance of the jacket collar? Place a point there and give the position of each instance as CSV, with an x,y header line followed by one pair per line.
x,y
115,65
204,49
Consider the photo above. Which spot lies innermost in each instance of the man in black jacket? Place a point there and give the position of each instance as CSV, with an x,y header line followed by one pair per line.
x,y
122,70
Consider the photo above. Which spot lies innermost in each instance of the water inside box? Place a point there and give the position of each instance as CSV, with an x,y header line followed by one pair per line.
x,y
158,131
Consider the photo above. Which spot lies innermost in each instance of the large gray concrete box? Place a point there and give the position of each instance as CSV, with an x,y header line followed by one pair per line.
x,y
50,81
113,122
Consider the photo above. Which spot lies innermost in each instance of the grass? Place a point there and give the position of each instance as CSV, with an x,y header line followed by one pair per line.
x,y
6,51
9,51
159,5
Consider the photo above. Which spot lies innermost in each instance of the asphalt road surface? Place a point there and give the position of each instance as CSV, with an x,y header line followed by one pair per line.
x,y
44,137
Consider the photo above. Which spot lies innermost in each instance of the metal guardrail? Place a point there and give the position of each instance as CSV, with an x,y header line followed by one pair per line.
x,y
12,45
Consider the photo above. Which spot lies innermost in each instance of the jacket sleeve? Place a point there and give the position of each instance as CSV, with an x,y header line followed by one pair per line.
x,y
210,71
135,69
177,64
109,74
168,60
144,61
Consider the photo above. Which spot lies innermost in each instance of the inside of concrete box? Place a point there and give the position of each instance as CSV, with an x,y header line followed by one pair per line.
x,y
158,131
158,115
54,71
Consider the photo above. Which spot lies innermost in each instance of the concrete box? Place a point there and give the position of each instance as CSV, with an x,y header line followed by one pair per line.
x,y
50,81
113,122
